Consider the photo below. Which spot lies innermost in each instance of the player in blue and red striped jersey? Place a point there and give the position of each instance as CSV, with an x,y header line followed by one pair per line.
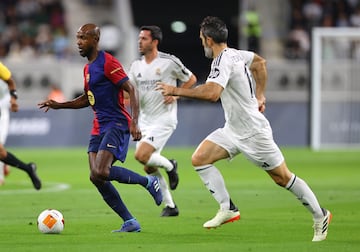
x,y
104,83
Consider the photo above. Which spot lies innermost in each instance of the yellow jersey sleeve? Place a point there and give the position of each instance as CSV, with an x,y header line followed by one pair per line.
x,y
5,73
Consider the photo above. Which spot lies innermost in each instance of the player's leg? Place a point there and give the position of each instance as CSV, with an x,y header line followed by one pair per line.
x,y
2,173
170,208
112,197
148,152
322,217
203,159
30,168
4,128
113,146
263,151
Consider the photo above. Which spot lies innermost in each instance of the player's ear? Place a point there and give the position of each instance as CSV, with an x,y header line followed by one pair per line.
x,y
209,41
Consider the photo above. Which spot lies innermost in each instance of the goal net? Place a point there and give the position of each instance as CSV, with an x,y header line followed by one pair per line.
x,y
335,90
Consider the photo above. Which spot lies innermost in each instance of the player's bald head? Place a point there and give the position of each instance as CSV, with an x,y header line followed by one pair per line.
x,y
91,30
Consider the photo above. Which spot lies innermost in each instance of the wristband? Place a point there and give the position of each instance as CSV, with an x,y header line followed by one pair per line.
x,y
13,94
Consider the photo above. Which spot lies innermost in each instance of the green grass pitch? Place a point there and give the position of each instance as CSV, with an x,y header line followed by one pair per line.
x,y
272,219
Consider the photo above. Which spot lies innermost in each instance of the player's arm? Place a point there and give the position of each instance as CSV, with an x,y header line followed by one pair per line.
x,y
77,103
259,72
188,84
14,107
210,91
134,107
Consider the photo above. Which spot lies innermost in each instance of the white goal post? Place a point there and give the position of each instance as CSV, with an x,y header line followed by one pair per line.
x,y
335,89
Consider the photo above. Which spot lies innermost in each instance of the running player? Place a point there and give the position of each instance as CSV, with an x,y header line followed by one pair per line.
x,y
158,114
104,83
7,157
246,129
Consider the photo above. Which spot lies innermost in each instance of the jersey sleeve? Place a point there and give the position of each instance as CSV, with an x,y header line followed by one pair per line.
x,y
5,73
181,72
247,56
220,70
114,71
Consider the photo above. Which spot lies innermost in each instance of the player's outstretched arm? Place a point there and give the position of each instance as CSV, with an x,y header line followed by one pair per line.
x,y
79,102
210,91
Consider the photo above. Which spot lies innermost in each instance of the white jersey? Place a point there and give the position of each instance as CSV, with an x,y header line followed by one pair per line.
x,y
230,69
165,68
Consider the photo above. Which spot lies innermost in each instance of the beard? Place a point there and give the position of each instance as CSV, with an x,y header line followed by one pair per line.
x,y
208,52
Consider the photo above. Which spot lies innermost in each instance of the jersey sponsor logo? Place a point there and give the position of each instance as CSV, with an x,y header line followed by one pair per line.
x,y
110,146
215,72
91,98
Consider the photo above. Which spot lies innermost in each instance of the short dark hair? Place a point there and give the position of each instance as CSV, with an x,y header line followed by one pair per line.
x,y
214,28
155,31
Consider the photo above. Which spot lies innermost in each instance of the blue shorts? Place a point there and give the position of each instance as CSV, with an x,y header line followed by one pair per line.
x,y
114,140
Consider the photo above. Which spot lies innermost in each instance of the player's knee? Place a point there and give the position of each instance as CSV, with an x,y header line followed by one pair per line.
x,y
100,173
142,157
96,181
197,159
93,180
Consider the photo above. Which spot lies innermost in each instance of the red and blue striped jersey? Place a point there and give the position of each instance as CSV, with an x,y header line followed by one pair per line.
x,y
102,81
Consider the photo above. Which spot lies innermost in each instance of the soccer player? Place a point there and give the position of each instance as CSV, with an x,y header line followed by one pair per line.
x,y
246,129
104,85
8,98
158,114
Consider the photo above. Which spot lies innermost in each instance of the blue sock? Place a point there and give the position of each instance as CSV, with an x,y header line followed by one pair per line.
x,y
113,199
123,175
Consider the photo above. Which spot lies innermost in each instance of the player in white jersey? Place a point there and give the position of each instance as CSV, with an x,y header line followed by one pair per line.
x,y
246,129
4,124
158,114
6,156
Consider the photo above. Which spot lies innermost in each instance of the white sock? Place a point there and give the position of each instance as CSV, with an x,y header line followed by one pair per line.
x,y
215,183
2,165
156,160
303,193
167,199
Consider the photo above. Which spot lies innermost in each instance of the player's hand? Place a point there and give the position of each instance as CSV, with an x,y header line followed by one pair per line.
x,y
262,103
14,106
46,105
135,131
165,89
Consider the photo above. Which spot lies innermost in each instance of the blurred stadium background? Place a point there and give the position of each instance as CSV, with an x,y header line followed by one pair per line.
x,y
38,44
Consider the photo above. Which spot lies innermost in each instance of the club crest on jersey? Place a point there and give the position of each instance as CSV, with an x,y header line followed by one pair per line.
x,y
91,98
87,78
158,71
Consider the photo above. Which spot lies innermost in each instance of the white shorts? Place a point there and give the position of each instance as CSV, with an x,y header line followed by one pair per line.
x,y
156,136
260,149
